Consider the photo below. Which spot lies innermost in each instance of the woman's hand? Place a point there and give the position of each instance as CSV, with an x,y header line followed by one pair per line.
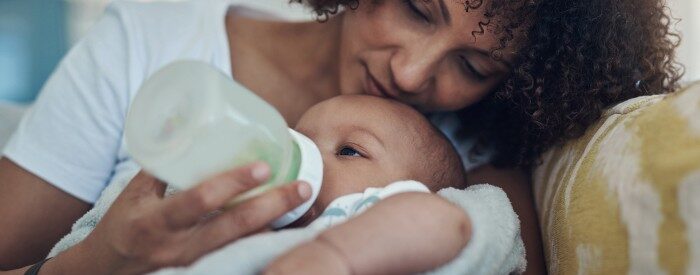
x,y
142,231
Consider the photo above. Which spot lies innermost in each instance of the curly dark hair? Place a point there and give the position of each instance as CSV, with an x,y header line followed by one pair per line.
x,y
572,60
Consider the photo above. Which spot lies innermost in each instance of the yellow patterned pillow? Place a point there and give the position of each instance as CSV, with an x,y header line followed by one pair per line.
x,y
625,198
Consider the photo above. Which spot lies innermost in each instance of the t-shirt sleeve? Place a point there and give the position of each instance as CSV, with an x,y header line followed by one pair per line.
x,y
70,137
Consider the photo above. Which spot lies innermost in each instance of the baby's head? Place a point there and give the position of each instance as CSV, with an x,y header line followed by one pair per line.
x,y
368,141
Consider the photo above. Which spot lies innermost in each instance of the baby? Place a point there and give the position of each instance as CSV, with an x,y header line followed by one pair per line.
x,y
370,147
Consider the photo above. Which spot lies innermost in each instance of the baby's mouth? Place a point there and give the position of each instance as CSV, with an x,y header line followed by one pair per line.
x,y
305,219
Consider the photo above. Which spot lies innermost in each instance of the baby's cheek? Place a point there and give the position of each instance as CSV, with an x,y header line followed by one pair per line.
x,y
333,181
355,177
344,178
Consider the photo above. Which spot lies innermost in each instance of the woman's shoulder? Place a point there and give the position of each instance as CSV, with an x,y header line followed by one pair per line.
x,y
159,22
154,33
197,16
162,11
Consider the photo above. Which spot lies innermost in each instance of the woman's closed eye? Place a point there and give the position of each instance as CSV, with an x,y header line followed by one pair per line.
x,y
469,69
416,12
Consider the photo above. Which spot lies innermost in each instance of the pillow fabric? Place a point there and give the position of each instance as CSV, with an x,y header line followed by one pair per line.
x,y
625,197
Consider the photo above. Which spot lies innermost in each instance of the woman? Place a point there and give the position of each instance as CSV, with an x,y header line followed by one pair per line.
x,y
521,76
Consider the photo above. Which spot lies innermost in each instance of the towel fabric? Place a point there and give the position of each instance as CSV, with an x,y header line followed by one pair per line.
x,y
495,247
83,226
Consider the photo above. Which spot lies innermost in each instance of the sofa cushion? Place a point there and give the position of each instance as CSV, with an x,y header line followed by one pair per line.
x,y
625,197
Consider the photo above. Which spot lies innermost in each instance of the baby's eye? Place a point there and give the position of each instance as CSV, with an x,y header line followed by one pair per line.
x,y
348,151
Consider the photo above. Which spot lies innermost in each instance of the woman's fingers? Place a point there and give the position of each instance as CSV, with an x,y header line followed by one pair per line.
x,y
185,209
249,216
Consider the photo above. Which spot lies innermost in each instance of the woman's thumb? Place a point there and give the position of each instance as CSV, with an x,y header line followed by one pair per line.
x,y
143,184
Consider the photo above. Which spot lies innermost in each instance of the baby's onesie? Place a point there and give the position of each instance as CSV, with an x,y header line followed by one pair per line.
x,y
345,207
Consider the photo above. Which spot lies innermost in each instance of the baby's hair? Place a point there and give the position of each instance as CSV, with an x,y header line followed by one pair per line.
x,y
442,159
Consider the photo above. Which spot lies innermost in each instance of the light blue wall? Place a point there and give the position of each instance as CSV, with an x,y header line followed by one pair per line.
x,y
32,41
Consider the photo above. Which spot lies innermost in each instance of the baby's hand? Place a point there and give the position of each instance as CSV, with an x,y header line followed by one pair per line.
x,y
314,257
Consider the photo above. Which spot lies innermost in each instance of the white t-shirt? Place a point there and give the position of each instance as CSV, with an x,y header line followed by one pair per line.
x,y
72,136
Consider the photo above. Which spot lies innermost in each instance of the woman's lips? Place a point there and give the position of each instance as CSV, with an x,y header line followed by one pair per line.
x,y
373,87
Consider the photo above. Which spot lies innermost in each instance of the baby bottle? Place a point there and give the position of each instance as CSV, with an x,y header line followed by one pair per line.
x,y
189,122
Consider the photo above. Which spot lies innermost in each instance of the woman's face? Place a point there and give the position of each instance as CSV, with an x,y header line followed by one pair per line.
x,y
420,52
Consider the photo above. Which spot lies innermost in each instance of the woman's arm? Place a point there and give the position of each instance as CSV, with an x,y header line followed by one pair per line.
x,y
33,215
516,184
406,233
142,231
64,151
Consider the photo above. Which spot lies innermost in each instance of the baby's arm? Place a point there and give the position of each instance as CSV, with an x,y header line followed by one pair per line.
x,y
405,233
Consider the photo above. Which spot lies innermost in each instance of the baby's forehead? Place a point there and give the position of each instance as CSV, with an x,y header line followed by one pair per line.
x,y
385,118
371,106
369,109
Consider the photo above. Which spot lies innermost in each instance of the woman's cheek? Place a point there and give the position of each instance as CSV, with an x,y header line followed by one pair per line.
x,y
459,93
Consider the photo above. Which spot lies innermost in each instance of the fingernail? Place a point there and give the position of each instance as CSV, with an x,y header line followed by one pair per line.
x,y
260,171
304,191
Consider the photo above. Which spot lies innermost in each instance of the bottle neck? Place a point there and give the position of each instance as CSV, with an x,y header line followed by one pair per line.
x,y
292,172
305,165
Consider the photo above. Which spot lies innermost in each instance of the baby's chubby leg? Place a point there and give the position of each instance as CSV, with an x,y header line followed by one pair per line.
x,y
405,233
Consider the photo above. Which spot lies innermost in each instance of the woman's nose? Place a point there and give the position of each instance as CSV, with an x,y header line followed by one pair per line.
x,y
413,70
